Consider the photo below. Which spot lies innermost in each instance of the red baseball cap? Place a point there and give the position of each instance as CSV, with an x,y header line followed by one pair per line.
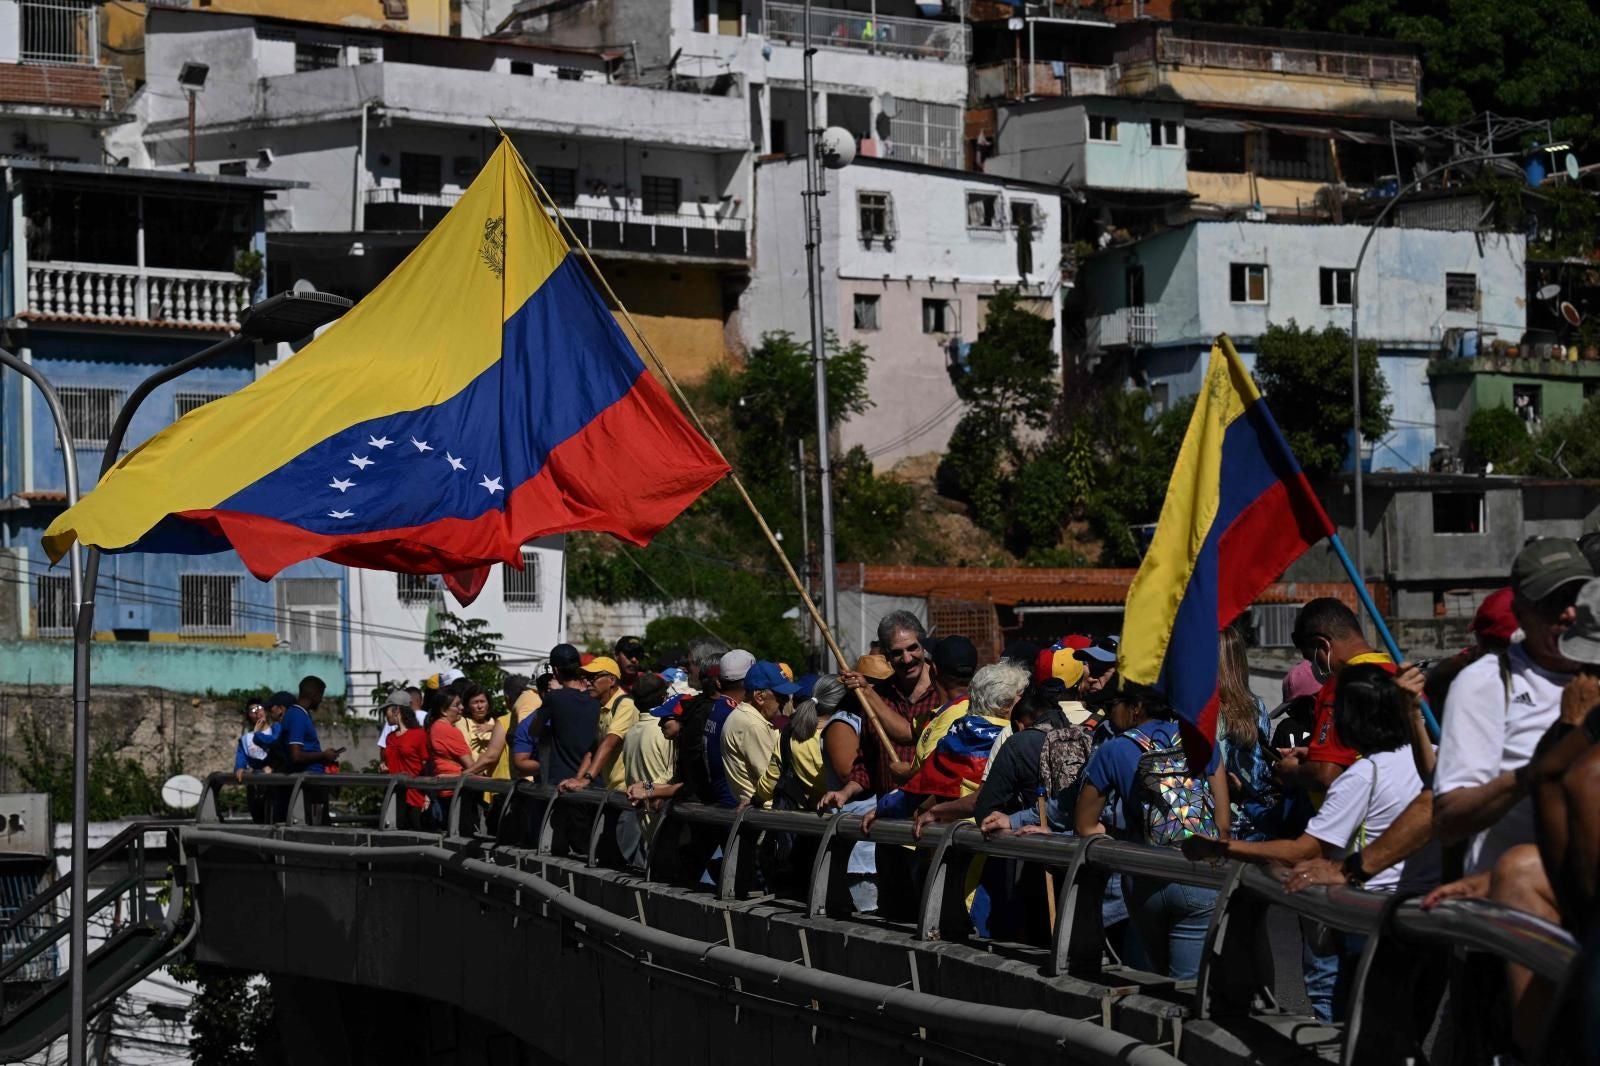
x,y
1494,623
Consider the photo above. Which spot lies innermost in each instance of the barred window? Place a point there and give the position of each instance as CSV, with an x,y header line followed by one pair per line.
x,y
661,196
91,412
520,588
53,605
184,402
206,603
418,589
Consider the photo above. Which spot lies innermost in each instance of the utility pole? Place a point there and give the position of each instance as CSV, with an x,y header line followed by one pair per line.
x,y
830,595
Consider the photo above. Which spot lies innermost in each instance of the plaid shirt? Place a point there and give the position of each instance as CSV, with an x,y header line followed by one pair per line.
x,y
914,712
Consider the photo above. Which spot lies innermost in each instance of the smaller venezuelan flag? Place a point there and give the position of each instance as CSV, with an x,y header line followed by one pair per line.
x,y
1238,511
956,764
481,397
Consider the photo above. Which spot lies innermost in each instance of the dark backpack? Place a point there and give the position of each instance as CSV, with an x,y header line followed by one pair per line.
x,y
1177,804
691,764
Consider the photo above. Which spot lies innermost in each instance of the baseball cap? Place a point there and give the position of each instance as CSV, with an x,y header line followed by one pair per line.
x,y
1581,641
805,683
603,664
1494,621
564,657
735,665
786,670
672,707
1058,662
632,647
397,698
875,667
956,657
1301,680
285,699
1097,652
450,677
767,675
1547,565
1075,642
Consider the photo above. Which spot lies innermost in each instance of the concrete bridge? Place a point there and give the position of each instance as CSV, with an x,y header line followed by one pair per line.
x,y
387,945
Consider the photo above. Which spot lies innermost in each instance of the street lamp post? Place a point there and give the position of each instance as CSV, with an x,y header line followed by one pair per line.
x,y
1355,342
285,317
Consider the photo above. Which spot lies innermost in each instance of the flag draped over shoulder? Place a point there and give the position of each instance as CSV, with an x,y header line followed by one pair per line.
x,y
480,397
1238,511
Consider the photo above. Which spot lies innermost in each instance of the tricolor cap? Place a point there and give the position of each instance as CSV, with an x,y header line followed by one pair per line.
x,y
1059,662
671,708
764,675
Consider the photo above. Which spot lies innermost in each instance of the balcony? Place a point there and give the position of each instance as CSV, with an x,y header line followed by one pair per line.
x,y
1128,327
102,292
858,31
1013,79
685,235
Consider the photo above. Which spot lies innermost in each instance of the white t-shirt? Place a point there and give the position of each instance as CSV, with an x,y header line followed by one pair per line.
x,y
1355,800
383,735
1484,738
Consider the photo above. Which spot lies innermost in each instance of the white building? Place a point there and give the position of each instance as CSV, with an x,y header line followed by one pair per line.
x,y
911,257
1160,302
893,72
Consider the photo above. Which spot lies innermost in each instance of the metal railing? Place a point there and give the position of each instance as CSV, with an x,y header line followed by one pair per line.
x,y
1227,55
104,292
909,38
60,31
1397,930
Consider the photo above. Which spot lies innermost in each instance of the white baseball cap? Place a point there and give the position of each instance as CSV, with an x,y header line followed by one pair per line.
x,y
735,664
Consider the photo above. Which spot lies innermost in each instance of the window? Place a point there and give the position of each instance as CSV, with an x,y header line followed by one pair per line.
x,y
1335,286
309,616
1160,397
1461,292
1274,624
1165,133
418,589
520,588
661,196
185,402
876,211
205,603
1025,215
309,56
866,310
1247,283
90,413
569,74
560,182
523,67
1458,512
932,134
1215,153
1102,128
983,210
421,173
939,316
53,606
1133,285
367,54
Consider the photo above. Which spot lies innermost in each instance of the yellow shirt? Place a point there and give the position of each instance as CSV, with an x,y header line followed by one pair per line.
x,y
616,719
935,730
647,754
748,740
807,756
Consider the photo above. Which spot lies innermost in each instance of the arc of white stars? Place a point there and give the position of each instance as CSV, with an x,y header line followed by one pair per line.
x,y
360,462
455,464
342,484
379,443
340,514
421,445
492,484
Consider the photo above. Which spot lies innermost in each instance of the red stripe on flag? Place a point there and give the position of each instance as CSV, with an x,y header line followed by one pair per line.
x,y
1278,525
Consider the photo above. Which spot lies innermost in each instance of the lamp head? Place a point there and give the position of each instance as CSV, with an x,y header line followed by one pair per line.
x,y
290,316
192,76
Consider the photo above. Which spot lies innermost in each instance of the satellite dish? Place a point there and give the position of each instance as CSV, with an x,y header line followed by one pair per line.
x,y
302,285
182,792
1548,292
1570,313
838,147
1572,166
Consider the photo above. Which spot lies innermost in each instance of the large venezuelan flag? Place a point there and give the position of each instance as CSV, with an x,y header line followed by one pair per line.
x,y
1238,511
480,397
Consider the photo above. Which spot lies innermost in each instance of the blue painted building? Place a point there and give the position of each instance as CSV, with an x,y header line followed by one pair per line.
x,y
107,274
1158,303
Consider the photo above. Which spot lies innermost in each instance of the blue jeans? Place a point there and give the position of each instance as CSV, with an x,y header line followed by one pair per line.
x,y
1321,974
1171,920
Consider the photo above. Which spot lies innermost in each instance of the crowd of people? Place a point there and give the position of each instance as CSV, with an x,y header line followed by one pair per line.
x,y
1341,783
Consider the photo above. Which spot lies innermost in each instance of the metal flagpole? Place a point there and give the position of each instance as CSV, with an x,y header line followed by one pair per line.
x,y
830,592
83,621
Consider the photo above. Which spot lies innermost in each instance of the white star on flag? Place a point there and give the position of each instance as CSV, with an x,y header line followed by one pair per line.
x,y
492,484
379,443
455,464
360,462
422,445
340,483
340,514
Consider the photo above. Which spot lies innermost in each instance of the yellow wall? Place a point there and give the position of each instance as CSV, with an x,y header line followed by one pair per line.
x,y
679,308
1278,91
242,640
1276,194
123,22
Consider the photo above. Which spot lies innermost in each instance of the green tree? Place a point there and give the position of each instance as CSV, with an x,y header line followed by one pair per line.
x,y
469,645
1566,445
231,1017
1305,375
118,786
1494,435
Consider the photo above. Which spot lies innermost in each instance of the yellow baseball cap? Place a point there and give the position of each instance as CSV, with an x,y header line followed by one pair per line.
x,y
603,664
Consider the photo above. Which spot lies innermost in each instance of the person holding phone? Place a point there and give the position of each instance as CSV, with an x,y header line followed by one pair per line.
x,y
295,748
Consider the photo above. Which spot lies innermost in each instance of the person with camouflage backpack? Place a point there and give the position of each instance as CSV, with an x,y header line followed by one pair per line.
x,y
1165,801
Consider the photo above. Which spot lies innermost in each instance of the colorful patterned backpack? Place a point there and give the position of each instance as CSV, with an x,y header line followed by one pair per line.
x,y
1176,803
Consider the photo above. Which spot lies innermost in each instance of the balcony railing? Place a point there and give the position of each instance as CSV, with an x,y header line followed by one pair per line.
x,y
684,233
101,292
60,31
1356,66
859,31
1010,80
1123,328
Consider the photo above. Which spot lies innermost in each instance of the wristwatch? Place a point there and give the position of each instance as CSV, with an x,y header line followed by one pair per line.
x,y
1353,872
588,775
649,787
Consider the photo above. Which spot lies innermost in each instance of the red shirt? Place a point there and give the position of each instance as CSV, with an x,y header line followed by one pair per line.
x,y
405,754
450,752
913,711
1325,744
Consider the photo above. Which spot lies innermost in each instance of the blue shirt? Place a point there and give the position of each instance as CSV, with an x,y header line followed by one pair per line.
x,y
296,727
523,742
718,774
